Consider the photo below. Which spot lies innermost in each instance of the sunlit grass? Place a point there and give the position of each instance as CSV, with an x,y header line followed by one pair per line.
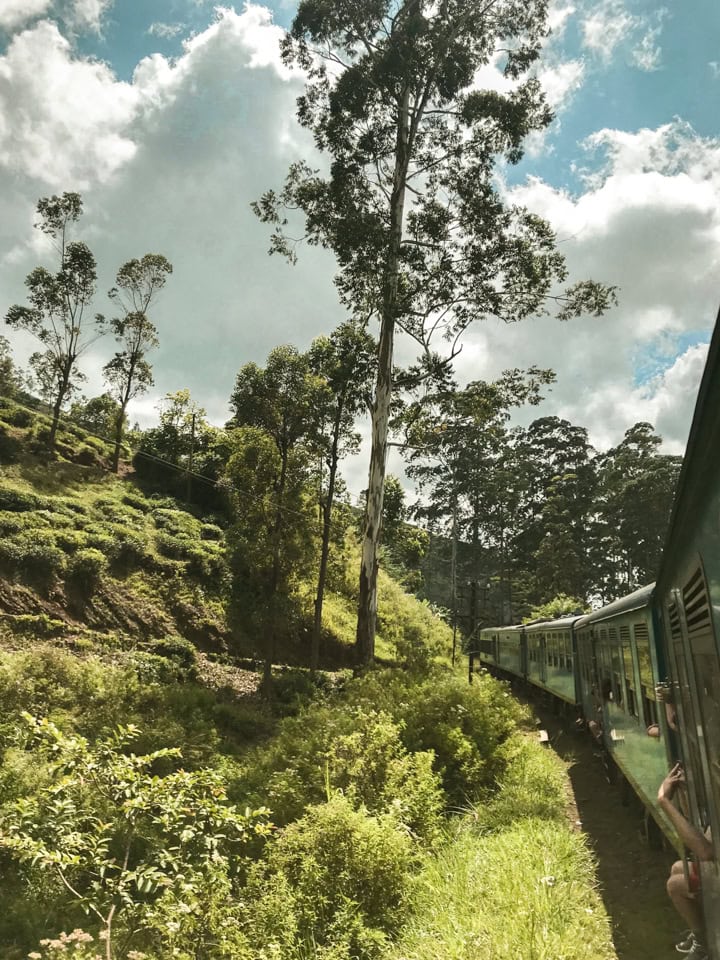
x,y
526,893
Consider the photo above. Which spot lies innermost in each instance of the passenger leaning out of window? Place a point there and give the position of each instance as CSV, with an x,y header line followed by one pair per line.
x,y
683,886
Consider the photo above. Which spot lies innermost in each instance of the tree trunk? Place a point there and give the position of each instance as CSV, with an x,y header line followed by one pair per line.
x,y
453,578
271,634
118,440
57,407
325,550
367,601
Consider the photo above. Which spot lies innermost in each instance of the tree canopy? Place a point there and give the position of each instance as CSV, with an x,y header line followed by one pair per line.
x,y
411,207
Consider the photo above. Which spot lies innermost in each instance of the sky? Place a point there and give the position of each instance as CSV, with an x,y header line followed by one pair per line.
x,y
171,116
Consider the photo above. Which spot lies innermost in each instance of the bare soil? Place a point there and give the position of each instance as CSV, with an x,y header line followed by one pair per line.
x,y
631,874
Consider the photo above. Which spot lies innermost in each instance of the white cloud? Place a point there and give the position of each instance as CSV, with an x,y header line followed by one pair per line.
x,y
13,13
650,223
88,14
561,80
63,121
608,27
165,30
647,54
559,14
714,68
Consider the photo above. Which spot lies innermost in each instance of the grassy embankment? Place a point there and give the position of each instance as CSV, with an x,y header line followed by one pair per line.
x,y
413,818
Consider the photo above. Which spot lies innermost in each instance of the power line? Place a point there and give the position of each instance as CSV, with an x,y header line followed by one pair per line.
x,y
65,420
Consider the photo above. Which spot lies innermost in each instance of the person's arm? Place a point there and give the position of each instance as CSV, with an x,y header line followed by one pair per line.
x,y
663,693
693,839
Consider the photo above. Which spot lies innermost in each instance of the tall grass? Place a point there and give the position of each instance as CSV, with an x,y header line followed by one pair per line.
x,y
526,893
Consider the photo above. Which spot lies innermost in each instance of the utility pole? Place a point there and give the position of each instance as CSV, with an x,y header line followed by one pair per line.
x,y
188,477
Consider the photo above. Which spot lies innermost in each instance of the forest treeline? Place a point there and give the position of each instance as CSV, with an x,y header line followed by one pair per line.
x,y
505,518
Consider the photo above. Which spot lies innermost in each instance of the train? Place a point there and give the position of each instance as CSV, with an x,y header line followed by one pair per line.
x,y
617,667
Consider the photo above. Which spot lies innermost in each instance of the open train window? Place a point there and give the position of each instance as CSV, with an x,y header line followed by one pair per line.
x,y
629,671
647,681
617,678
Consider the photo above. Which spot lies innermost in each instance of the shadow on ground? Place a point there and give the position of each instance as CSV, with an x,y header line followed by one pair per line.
x,y
631,874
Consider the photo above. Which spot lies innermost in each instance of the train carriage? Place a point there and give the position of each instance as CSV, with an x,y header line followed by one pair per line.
x,y
551,653
688,597
618,671
610,661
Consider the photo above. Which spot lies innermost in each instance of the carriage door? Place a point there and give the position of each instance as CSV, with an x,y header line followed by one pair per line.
x,y
697,672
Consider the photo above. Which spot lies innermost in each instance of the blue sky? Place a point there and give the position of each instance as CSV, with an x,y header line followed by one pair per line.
x,y
170,116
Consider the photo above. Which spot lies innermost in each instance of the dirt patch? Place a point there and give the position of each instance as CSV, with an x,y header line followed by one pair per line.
x,y
631,874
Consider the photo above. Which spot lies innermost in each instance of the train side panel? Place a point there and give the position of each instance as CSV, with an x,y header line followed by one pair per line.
x,y
689,600
626,667
551,656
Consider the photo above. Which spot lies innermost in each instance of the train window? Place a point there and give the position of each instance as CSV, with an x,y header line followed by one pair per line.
x,y
642,643
617,684
630,692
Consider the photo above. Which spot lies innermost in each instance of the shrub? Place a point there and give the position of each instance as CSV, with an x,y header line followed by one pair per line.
x,y
345,877
36,625
177,649
19,417
39,560
373,768
19,501
174,827
176,522
70,541
463,724
209,566
211,531
10,445
86,456
152,668
174,548
129,552
85,570
136,501
10,523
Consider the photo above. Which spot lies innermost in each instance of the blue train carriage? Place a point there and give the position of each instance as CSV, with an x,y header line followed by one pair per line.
x,y
618,669
551,655
688,592
502,650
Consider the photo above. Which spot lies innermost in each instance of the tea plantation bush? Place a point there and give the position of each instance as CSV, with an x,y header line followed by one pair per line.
x,y
85,570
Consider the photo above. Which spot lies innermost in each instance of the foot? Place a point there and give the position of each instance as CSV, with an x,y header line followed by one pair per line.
x,y
686,942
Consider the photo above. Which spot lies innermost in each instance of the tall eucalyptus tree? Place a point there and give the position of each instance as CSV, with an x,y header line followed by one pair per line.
x,y
343,364
128,373
410,204
59,312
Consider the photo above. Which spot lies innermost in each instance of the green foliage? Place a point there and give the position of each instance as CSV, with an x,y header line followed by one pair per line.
x,y
463,725
118,834
560,606
129,552
37,560
210,531
84,571
344,878
177,649
407,629
532,785
21,501
527,891
176,548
